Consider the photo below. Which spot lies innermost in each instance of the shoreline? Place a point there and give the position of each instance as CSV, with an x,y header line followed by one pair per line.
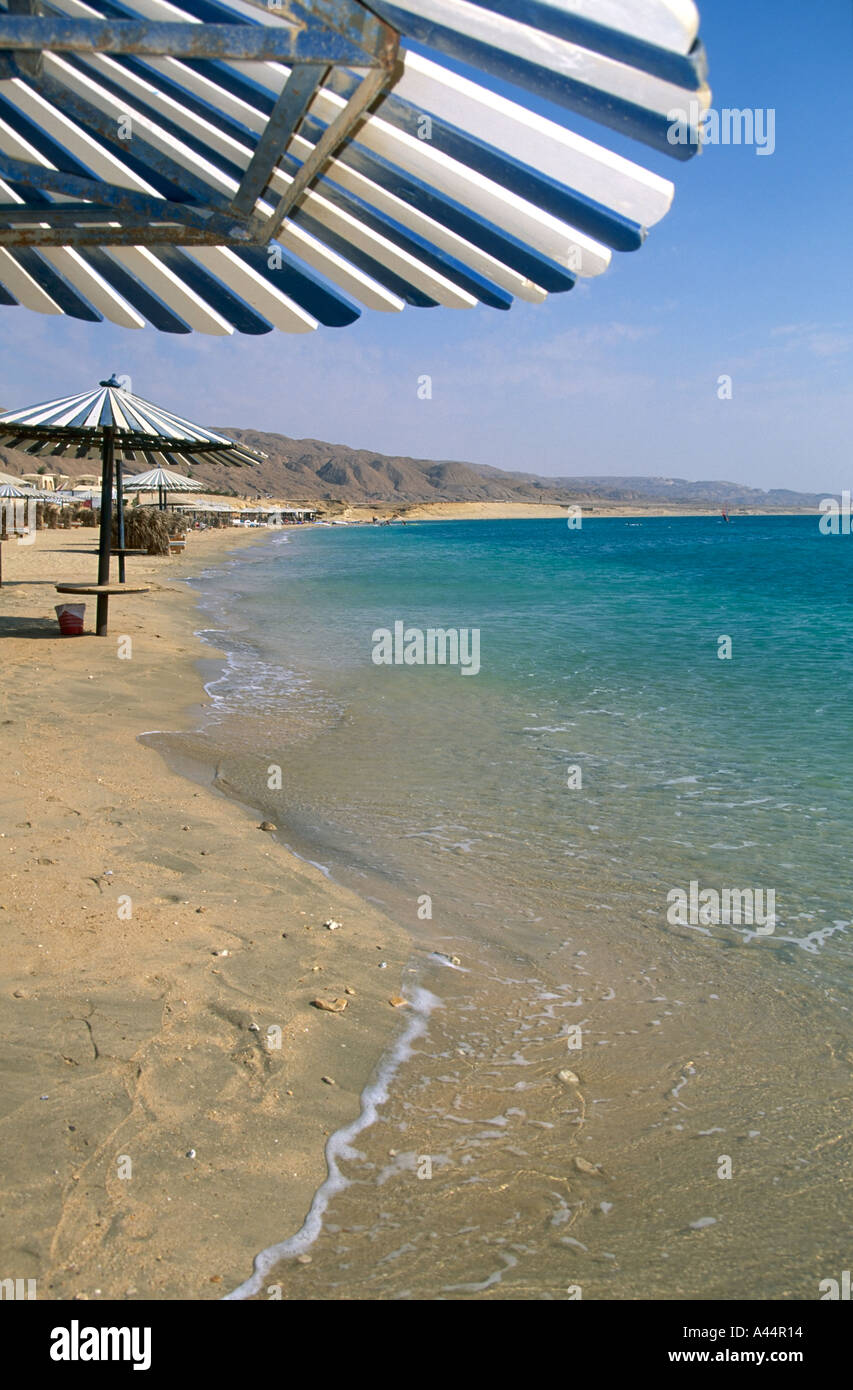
x,y
129,1040
145,1045
535,511
687,1015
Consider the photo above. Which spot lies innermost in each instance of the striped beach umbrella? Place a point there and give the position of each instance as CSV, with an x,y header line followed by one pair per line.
x,y
118,426
244,165
9,491
162,481
75,426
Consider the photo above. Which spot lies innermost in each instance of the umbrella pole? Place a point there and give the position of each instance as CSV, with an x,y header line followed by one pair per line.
x,y
105,537
120,506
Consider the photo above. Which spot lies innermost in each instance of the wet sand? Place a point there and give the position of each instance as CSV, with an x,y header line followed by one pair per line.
x,y
130,1045
153,936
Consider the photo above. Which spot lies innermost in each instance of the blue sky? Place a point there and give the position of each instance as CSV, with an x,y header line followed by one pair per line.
x,y
748,275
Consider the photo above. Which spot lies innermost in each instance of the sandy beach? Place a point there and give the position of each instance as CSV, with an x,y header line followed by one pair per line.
x,y
154,1137
504,511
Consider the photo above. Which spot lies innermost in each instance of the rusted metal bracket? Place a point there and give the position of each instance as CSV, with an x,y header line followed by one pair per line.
x,y
136,38
29,64
296,96
334,136
347,33
127,233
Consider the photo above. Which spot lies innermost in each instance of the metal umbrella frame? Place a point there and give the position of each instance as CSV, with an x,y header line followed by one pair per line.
x,y
224,166
118,426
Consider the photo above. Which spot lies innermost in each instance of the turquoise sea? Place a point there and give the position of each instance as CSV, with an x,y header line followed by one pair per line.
x,y
532,820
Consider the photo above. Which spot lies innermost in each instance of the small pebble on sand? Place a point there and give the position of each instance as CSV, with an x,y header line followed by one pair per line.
x,y
568,1077
267,825
330,1006
583,1165
329,1080
332,925
398,1002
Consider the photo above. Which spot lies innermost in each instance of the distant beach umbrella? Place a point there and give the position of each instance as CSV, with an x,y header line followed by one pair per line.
x,y
117,426
162,481
16,490
7,490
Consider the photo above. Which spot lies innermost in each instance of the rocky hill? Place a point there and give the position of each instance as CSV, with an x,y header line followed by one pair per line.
x,y
310,470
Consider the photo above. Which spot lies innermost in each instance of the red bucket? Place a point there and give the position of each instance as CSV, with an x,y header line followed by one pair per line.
x,y
70,617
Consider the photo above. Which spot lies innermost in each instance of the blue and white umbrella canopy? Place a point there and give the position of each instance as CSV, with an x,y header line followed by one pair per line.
x,y
144,176
74,426
162,480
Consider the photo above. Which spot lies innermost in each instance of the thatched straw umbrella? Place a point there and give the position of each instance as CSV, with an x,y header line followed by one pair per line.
x,y
119,427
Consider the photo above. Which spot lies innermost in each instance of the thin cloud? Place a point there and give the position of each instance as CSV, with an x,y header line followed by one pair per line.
x,y
821,340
